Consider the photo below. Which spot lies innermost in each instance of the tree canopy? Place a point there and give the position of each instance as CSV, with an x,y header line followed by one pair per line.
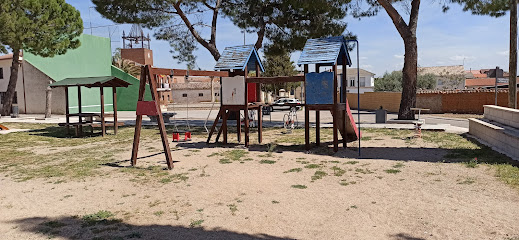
x,y
189,24
277,64
41,27
392,82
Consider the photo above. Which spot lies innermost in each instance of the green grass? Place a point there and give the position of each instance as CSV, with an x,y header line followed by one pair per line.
x,y
337,171
196,223
319,175
392,171
351,162
101,217
267,162
467,180
345,182
508,174
298,186
274,202
233,208
313,166
399,165
293,170
363,170
158,213
473,163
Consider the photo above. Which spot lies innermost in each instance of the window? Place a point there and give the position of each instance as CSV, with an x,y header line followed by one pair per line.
x,y
184,94
1,73
200,94
362,81
352,82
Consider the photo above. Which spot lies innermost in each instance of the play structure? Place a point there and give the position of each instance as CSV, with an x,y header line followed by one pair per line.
x,y
2,127
150,76
323,90
87,119
238,93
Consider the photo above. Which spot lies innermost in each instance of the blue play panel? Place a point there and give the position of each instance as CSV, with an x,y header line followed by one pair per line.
x,y
319,88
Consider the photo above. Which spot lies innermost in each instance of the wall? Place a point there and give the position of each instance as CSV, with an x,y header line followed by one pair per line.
x,y
373,100
36,84
140,55
468,101
193,95
127,97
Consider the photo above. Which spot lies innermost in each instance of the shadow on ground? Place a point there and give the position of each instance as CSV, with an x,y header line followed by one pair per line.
x,y
76,228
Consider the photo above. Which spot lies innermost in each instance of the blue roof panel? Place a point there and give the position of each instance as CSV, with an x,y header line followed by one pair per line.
x,y
324,51
238,57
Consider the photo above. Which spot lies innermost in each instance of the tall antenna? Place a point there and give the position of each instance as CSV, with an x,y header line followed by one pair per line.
x,y
136,38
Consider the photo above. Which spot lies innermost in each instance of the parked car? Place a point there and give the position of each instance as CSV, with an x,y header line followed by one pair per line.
x,y
285,104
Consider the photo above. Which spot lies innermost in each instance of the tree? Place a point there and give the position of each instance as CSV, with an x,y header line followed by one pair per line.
x,y
278,65
41,27
407,31
126,65
187,24
498,8
392,82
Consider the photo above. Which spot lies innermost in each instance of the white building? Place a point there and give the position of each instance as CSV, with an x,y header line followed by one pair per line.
x,y
367,80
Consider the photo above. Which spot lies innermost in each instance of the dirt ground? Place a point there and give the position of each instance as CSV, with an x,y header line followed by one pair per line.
x,y
401,188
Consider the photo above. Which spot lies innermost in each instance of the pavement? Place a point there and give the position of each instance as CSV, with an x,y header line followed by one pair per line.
x,y
202,115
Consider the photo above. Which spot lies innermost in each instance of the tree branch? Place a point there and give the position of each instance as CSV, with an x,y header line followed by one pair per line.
x,y
413,18
261,34
213,23
398,21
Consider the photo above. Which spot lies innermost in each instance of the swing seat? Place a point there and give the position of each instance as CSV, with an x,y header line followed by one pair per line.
x,y
176,136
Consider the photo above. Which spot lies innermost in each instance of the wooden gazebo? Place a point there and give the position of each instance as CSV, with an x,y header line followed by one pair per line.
x,y
85,118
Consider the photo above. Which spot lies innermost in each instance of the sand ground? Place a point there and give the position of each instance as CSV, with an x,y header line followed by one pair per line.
x,y
398,189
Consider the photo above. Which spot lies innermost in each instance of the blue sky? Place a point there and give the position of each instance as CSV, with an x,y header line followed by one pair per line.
x,y
452,38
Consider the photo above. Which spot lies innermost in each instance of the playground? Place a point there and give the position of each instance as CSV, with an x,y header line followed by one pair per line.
x,y
402,188
231,177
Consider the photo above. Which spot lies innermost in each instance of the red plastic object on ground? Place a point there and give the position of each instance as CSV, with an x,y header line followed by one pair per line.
x,y
176,136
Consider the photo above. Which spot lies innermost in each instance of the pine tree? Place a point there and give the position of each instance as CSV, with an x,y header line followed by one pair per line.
x,y
41,27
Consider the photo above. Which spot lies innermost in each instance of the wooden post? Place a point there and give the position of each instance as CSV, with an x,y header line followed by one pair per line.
x,y
114,93
246,109
317,128
218,117
67,111
334,111
79,105
224,125
307,128
160,119
138,120
258,85
238,125
103,123
260,124
344,100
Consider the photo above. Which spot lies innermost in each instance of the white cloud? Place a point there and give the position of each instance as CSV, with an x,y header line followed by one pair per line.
x,y
502,53
461,58
398,56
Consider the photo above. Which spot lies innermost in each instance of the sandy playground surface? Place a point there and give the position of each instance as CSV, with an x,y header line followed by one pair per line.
x,y
400,189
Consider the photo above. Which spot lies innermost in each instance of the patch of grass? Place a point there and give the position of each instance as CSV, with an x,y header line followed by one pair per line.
x,y
267,162
363,170
345,182
101,217
354,206
298,186
365,138
158,213
225,161
508,174
274,202
213,154
293,170
399,165
196,223
473,163
337,171
319,175
154,203
392,171
351,162
313,165
233,208
467,180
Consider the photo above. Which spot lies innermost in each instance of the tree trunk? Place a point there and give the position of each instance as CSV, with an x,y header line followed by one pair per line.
x,y
11,88
512,84
48,102
409,79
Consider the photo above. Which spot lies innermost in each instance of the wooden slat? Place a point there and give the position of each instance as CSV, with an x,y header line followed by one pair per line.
x,y
271,80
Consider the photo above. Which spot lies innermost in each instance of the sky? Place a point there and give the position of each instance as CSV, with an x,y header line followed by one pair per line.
x,y
452,38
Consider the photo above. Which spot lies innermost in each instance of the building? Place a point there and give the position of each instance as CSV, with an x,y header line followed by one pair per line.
x,y
447,77
92,59
366,80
